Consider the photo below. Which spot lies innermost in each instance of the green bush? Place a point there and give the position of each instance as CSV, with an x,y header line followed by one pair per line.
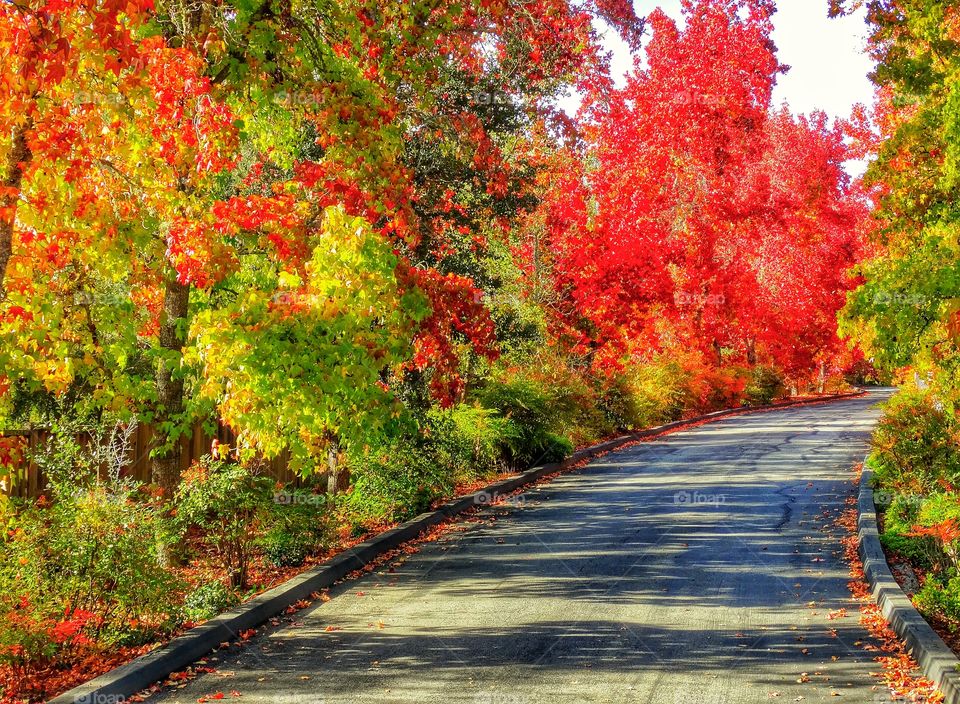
x,y
94,551
298,523
940,597
531,439
919,552
468,442
915,448
284,548
902,514
938,508
764,386
469,439
208,599
230,505
396,483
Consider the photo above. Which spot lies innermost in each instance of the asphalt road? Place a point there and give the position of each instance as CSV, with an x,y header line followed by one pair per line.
x,y
698,568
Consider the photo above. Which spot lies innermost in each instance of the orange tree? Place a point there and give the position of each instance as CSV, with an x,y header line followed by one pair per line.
x,y
263,211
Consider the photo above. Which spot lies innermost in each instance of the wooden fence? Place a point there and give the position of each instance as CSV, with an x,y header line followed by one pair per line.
x,y
29,480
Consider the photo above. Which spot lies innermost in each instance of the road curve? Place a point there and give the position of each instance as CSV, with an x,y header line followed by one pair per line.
x,y
699,567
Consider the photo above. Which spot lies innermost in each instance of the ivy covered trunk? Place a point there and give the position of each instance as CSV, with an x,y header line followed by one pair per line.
x,y
165,463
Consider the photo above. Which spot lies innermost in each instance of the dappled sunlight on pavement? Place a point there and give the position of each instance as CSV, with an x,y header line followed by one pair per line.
x,y
704,566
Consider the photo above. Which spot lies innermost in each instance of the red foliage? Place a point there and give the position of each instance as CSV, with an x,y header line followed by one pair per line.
x,y
457,310
944,532
710,221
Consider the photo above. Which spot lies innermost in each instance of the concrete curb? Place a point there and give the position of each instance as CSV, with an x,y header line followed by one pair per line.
x,y
937,661
116,685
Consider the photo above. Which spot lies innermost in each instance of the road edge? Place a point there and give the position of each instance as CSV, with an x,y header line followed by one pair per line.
x,y
935,657
114,686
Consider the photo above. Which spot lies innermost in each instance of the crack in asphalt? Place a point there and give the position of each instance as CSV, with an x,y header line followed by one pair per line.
x,y
786,508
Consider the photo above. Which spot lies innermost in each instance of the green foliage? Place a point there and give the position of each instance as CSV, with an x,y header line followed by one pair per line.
x,y
299,523
207,600
396,483
909,513
530,409
902,514
94,549
284,548
338,328
765,386
915,445
940,597
920,552
939,507
229,504
469,439
905,312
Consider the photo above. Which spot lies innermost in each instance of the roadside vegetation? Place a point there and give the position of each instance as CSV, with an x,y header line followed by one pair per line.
x,y
361,238
905,313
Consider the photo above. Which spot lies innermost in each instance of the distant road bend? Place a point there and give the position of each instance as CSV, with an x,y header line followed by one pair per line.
x,y
698,568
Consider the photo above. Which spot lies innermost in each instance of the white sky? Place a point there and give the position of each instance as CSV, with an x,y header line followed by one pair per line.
x,y
828,65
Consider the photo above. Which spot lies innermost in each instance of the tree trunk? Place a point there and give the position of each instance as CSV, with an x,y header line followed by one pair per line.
x,y
12,179
822,378
165,464
333,468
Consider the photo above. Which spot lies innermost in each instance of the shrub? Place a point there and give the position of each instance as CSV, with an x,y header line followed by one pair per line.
x,y
531,439
207,600
919,552
658,393
938,508
229,503
915,447
80,570
765,386
395,484
83,570
902,514
297,523
617,403
284,548
940,597
469,439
